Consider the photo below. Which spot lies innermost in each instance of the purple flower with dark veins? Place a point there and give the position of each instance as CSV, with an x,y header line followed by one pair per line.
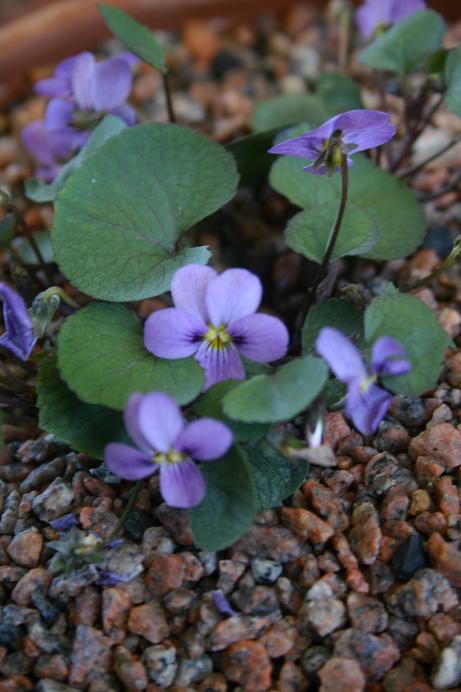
x,y
374,16
347,133
168,445
19,335
215,320
366,403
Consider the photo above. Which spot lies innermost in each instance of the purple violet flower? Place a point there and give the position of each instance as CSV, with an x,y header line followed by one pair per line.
x,y
221,604
214,320
48,148
19,335
366,403
346,133
168,445
375,15
64,523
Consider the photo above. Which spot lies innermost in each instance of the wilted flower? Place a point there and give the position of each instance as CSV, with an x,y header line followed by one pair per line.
x,y
168,445
214,320
375,15
19,335
366,403
347,133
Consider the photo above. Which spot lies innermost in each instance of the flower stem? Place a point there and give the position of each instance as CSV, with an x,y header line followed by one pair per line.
x,y
127,510
446,264
169,100
322,270
22,223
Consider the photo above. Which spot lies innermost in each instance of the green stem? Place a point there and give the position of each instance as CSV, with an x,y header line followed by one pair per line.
x,y
446,264
169,100
22,223
127,510
322,270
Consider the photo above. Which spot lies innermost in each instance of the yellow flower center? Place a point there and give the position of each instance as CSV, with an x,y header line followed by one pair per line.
x,y
217,337
168,458
367,382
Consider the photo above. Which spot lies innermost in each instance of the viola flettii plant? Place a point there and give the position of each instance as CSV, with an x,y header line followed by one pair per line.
x,y
159,358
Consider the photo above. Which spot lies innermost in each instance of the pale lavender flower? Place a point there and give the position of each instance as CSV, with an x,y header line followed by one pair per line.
x,y
82,92
214,320
19,335
366,403
168,445
375,15
347,133
49,149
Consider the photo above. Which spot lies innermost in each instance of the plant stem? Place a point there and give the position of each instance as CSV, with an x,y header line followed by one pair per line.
x,y
413,135
127,510
310,298
446,264
414,169
169,100
22,223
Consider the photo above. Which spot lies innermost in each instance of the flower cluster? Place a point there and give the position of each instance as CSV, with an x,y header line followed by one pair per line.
x,y
168,445
82,92
214,320
366,402
347,133
375,15
19,334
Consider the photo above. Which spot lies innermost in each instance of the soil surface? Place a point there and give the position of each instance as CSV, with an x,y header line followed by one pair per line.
x,y
354,583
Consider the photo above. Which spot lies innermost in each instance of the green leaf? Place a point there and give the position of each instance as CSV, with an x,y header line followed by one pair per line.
x,y
338,92
309,231
276,477
85,427
25,252
250,153
288,109
136,37
102,358
337,313
334,391
392,208
452,76
408,320
210,405
41,192
121,213
230,503
279,397
7,228
407,45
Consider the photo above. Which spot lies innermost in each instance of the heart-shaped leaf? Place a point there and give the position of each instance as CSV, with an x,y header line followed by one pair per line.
x,y
120,215
392,208
85,427
337,313
102,358
279,397
288,109
230,503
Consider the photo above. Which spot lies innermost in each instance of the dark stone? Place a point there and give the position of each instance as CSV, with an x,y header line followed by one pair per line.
x,y
439,239
409,557
137,523
225,62
11,635
104,474
46,609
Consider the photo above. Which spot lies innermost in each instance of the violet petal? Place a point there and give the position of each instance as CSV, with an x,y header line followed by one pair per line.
x,y
233,294
182,484
159,420
127,462
259,337
341,355
204,439
172,333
